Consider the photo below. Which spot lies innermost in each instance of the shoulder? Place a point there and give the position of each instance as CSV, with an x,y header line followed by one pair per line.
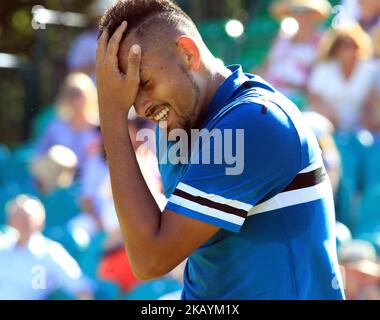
x,y
258,117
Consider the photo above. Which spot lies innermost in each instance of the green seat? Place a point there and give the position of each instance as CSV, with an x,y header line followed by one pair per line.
x,y
4,161
61,206
18,164
351,150
42,121
90,259
369,217
372,166
369,212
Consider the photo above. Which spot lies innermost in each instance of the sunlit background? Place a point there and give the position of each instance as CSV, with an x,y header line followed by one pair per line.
x,y
42,42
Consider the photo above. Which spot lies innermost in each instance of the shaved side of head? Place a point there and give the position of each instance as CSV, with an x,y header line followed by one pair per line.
x,y
153,22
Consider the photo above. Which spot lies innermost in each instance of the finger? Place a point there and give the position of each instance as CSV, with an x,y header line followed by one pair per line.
x,y
102,46
133,72
114,44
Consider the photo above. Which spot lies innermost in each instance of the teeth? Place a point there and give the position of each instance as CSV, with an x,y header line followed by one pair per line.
x,y
162,115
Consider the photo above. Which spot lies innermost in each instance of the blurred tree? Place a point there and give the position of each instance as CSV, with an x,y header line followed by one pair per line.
x,y
24,92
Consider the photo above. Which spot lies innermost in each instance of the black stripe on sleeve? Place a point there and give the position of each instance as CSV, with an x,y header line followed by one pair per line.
x,y
306,180
211,204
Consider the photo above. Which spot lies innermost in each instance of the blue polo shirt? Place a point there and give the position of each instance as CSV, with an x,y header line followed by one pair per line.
x,y
274,206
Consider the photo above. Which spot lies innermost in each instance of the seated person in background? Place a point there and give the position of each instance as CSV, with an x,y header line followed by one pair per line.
x,y
32,266
371,114
53,183
365,12
75,127
361,272
55,169
340,84
291,57
369,14
324,130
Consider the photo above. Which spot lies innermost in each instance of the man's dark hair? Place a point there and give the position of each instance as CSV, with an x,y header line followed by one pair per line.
x,y
147,16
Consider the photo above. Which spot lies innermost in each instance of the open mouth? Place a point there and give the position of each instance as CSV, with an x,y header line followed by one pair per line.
x,y
161,115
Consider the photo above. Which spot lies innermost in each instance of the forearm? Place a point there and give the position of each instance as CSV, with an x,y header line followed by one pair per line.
x,y
138,213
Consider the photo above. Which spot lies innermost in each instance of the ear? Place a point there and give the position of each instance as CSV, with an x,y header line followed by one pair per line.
x,y
190,52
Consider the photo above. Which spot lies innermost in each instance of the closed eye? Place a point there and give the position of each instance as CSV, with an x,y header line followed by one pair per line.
x,y
143,84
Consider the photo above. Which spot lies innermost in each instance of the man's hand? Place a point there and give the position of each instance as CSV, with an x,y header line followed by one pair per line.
x,y
116,91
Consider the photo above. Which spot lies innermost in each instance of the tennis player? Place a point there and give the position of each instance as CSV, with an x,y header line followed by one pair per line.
x,y
265,231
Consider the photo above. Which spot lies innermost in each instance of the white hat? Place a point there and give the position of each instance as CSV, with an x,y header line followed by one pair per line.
x,y
56,168
283,8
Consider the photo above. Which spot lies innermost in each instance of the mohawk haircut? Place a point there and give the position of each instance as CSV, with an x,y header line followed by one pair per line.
x,y
146,17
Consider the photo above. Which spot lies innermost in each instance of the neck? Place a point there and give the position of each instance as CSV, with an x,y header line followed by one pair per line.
x,y
348,67
216,75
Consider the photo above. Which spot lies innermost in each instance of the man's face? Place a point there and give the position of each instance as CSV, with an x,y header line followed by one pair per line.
x,y
168,89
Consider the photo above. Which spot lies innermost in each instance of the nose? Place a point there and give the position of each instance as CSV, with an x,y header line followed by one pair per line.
x,y
142,104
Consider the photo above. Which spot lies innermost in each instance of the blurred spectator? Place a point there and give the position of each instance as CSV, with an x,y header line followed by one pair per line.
x,y
53,183
371,114
376,43
324,131
291,56
55,169
32,266
75,128
340,84
365,12
361,272
369,14
82,54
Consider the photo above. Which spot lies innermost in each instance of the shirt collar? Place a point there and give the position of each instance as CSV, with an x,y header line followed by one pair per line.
x,y
226,90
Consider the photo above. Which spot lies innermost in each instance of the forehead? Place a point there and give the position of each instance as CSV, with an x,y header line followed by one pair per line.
x,y
151,56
